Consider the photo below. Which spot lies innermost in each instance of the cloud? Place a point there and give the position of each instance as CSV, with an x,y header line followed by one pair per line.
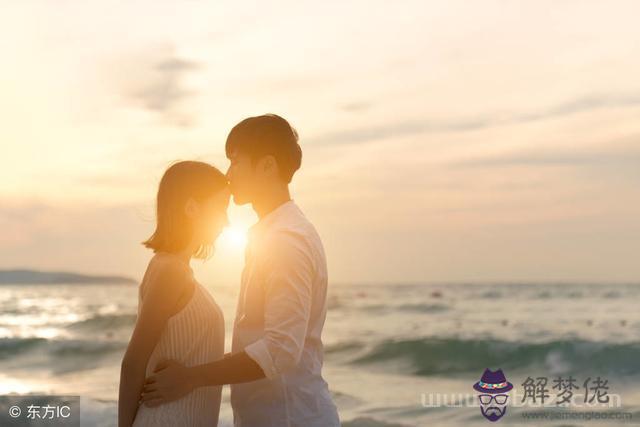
x,y
155,80
621,158
579,105
356,107
399,129
424,126
167,91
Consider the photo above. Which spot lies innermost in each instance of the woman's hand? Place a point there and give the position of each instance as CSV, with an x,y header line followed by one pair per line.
x,y
170,381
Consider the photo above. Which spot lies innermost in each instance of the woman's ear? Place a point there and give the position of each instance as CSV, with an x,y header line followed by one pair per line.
x,y
191,208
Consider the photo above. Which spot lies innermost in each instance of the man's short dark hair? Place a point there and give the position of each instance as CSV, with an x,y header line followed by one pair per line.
x,y
265,135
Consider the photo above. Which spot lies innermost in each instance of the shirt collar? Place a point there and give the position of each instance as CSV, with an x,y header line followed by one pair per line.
x,y
271,217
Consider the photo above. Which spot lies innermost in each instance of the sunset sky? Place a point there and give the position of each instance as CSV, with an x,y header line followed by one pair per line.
x,y
442,141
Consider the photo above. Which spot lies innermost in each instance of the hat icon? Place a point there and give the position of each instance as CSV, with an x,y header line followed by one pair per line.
x,y
493,382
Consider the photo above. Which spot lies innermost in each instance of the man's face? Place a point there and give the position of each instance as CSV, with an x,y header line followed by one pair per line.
x,y
493,406
242,178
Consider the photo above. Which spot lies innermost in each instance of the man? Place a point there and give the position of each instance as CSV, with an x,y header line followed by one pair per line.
x,y
275,365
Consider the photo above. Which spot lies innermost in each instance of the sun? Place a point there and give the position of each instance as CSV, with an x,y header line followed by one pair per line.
x,y
233,237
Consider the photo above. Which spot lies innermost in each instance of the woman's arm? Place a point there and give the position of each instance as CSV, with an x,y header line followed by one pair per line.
x,y
164,287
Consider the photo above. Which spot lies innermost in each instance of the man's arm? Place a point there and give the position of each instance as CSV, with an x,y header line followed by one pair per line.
x,y
233,369
288,278
171,380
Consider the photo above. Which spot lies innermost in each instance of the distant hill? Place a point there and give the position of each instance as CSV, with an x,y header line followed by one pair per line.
x,y
56,277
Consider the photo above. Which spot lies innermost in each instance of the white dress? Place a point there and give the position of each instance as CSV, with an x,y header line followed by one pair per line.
x,y
193,336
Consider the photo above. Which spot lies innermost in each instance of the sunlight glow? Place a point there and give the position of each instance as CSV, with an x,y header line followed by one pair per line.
x,y
233,237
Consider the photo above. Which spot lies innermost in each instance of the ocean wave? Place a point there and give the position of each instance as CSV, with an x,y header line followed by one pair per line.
x,y
370,422
410,307
102,322
83,347
13,346
343,346
437,356
424,308
58,348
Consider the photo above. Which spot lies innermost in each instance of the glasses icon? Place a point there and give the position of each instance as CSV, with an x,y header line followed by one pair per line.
x,y
500,399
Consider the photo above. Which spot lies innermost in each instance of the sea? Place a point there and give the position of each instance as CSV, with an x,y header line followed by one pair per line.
x,y
395,355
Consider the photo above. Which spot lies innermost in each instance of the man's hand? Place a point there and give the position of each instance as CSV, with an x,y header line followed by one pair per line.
x,y
170,381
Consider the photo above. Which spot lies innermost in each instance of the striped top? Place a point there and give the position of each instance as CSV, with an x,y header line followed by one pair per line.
x,y
193,336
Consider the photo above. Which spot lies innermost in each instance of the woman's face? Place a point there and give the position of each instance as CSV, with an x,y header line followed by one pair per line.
x,y
213,216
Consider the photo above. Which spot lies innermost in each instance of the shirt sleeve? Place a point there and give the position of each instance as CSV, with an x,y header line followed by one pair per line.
x,y
288,272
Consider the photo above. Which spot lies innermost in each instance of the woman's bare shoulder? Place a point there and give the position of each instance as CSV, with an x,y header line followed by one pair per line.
x,y
164,270
167,262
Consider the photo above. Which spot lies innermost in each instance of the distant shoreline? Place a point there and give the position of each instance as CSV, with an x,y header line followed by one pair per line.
x,y
35,277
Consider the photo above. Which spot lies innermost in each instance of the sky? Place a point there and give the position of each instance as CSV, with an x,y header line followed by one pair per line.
x,y
442,141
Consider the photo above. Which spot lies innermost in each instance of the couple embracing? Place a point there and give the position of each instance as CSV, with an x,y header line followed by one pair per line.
x,y
174,367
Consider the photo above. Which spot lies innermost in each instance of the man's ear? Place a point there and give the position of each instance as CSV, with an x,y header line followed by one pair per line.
x,y
191,208
269,165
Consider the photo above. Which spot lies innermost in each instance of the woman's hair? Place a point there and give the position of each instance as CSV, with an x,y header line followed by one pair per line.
x,y
180,182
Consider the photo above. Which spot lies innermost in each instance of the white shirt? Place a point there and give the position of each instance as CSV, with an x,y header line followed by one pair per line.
x,y
281,311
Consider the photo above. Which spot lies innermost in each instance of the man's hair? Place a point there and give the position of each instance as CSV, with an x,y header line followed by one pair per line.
x,y
265,135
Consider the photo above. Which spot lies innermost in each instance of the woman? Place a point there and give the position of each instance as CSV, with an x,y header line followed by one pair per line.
x,y
177,317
